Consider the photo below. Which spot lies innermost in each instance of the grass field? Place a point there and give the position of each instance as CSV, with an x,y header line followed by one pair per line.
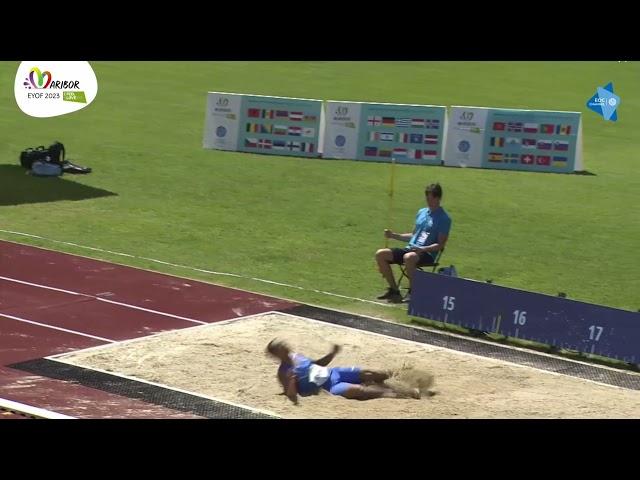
x,y
155,192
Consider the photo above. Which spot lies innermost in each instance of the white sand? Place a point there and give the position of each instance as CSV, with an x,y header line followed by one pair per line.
x,y
228,361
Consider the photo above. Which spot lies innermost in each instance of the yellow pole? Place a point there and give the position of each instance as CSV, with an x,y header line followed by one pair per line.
x,y
391,186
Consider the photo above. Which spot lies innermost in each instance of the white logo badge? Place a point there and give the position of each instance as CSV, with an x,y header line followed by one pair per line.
x,y
49,89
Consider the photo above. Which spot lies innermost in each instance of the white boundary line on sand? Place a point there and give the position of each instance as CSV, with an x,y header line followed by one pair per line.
x,y
167,387
147,337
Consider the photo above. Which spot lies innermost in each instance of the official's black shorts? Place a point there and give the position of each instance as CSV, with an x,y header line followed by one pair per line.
x,y
399,253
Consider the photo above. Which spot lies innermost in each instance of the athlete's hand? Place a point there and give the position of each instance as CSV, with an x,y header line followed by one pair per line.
x,y
336,349
388,233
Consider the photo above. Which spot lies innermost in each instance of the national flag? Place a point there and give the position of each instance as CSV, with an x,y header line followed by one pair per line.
x,y
249,127
374,136
307,147
404,137
514,126
403,122
251,142
279,144
415,154
310,118
547,128
296,131
560,161
544,144
495,157
413,137
389,121
528,143
280,130
266,128
431,139
497,141
262,143
294,146
254,112
499,126
512,158
268,113
527,159
387,137
515,141
560,145
418,122
296,116
429,154
399,152
433,123
282,114
563,129
543,160
531,128
384,153
308,132
374,121
371,151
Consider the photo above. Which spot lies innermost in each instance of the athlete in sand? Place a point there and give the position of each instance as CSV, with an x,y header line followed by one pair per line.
x,y
302,376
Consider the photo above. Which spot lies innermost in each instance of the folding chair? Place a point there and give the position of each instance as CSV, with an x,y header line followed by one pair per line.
x,y
403,273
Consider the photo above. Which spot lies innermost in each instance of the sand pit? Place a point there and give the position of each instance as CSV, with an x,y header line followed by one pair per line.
x,y
227,361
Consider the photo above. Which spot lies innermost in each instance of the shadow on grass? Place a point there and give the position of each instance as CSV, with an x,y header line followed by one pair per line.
x,y
17,188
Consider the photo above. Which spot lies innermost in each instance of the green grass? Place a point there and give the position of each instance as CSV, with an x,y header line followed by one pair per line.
x,y
155,192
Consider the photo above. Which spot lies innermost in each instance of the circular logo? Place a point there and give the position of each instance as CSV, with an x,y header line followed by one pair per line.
x,y
221,131
612,101
464,146
340,140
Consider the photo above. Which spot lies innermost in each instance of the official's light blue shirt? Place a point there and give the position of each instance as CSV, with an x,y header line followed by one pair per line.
x,y
429,225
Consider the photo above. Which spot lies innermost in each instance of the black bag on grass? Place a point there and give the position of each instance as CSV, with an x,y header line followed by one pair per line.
x,y
31,155
54,154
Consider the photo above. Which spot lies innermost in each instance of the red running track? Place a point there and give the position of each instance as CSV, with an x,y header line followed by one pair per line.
x,y
52,302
